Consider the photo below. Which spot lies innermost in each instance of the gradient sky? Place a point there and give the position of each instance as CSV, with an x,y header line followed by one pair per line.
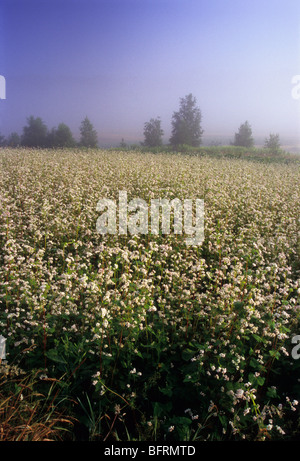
x,y
123,62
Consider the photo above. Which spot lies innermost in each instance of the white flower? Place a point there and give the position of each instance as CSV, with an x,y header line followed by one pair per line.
x,y
103,312
281,431
239,394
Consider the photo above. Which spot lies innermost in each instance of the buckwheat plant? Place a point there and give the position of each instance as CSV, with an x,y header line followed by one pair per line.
x,y
193,342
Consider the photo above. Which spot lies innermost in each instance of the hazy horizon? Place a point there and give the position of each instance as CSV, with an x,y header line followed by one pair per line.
x,y
121,63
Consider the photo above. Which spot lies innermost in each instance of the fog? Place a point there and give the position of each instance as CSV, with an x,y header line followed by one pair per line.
x,y
123,62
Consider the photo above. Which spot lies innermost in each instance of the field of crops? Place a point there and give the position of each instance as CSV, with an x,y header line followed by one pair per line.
x,y
142,337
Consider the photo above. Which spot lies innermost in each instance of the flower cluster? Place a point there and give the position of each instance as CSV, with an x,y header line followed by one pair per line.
x,y
216,318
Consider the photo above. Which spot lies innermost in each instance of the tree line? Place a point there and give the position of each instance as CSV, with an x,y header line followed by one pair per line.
x,y
186,130
36,134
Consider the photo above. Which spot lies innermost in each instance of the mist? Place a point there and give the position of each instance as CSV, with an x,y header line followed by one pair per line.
x,y
122,63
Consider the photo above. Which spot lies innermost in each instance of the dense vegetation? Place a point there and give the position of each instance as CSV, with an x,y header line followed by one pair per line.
x,y
143,337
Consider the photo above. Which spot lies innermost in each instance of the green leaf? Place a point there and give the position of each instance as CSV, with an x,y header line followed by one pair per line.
x,y
253,363
257,338
161,409
223,420
181,421
275,354
260,380
146,346
187,354
272,393
166,391
238,305
52,354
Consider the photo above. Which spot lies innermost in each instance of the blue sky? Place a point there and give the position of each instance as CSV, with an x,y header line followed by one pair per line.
x,y
122,62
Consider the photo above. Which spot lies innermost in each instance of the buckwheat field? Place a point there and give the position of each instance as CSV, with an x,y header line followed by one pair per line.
x,y
143,337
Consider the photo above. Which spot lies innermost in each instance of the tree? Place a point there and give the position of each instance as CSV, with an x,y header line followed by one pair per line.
x,y
186,123
3,141
89,136
153,133
35,133
61,137
123,144
272,142
13,140
244,136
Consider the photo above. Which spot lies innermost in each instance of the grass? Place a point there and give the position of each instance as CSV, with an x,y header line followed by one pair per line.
x,y
25,413
143,337
254,154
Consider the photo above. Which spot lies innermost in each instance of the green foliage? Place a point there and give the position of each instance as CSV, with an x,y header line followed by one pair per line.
x,y
244,136
61,137
220,152
273,143
13,140
25,413
3,141
34,133
123,144
153,133
186,123
88,135
144,337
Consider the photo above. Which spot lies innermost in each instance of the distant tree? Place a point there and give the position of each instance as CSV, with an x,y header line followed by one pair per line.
x,y
243,137
51,138
186,123
13,140
61,137
272,142
3,141
123,144
153,133
35,133
88,134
